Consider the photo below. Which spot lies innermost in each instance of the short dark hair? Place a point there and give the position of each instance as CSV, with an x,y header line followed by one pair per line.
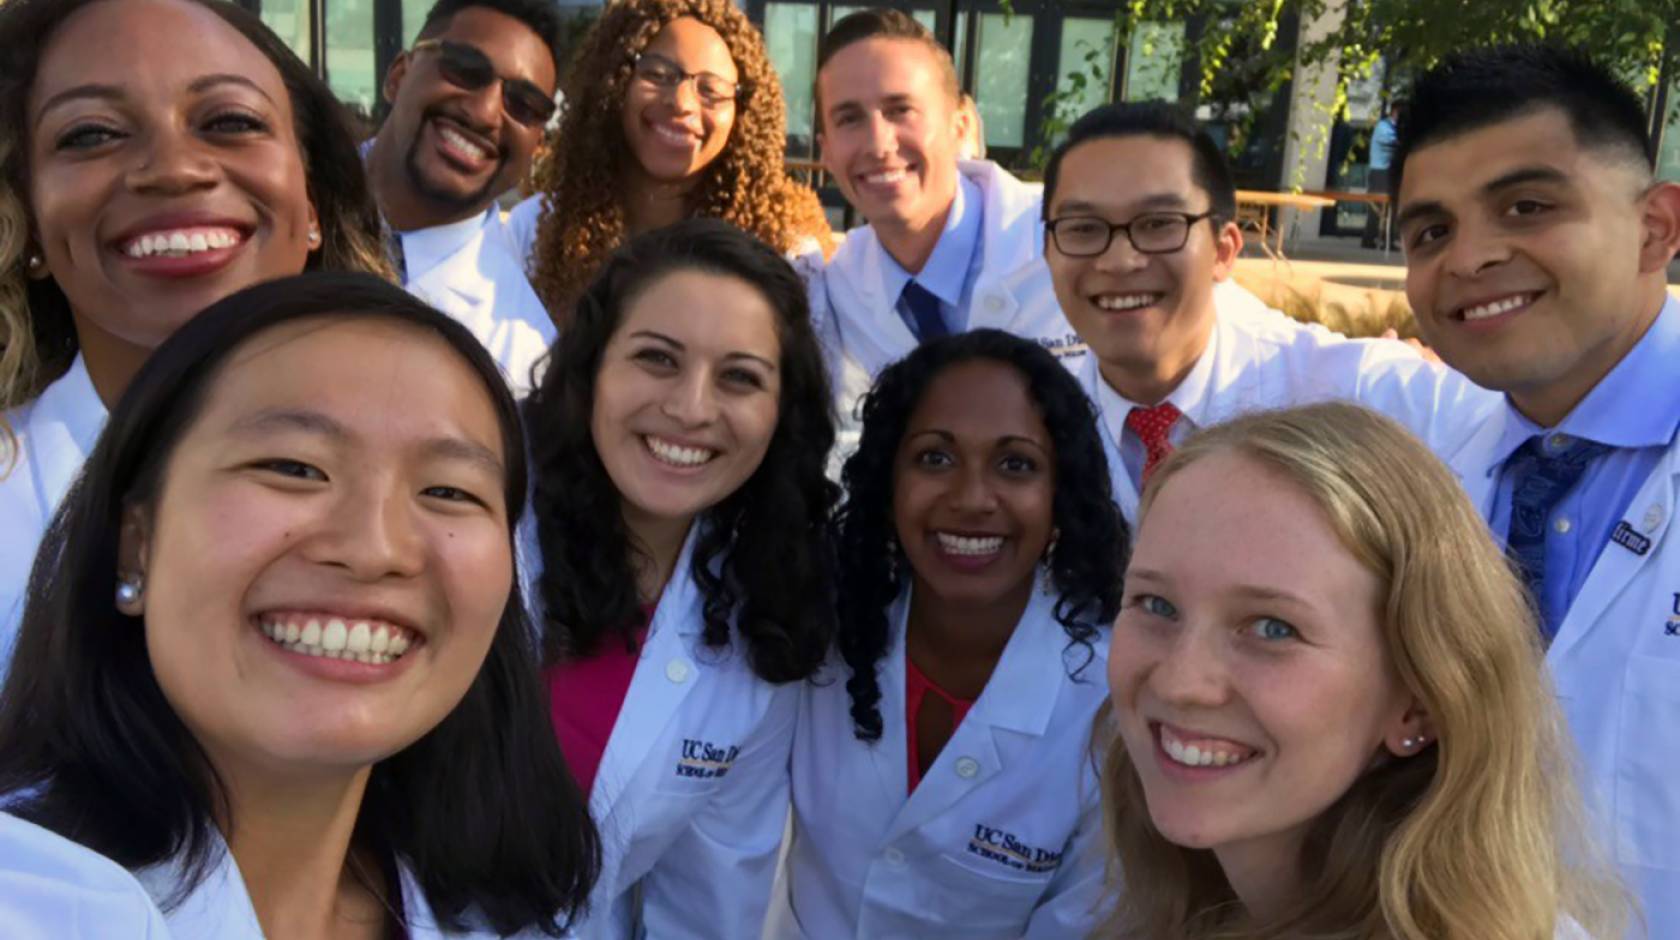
x,y
761,558
1209,167
91,749
542,16
1090,550
1475,88
883,23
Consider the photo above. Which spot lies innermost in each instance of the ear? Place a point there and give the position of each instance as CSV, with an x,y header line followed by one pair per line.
x,y
394,77
132,544
962,120
1412,734
1661,221
1227,247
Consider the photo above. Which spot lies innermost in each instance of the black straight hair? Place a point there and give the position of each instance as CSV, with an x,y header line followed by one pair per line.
x,y
1090,550
1476,88
761,559
91,749
1208,166
542,16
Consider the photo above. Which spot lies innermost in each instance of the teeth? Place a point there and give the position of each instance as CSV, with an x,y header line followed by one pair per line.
x,y
1202,754
1125,301
461,143
884,178
181,243
1496,308
964,545
676,135
676,454
360,641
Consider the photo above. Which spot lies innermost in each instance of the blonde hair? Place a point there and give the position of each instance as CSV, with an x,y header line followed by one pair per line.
x,y
1479,837
581,178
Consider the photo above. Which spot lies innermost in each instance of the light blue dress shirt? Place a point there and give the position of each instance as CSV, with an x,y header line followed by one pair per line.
x,y
1635,409
951,270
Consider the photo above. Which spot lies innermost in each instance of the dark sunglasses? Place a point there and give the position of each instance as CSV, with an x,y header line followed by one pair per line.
x,y
465,66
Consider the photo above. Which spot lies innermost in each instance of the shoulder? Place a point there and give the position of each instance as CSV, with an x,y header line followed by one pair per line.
x,y
53,887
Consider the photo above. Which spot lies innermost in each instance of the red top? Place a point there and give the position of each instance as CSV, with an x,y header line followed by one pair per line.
x,y
916,688
585,697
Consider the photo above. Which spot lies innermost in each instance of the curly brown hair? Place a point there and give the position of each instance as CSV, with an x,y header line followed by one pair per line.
x,y
583,217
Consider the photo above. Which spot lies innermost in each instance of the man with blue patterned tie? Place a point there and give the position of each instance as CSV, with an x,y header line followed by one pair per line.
x,y
1537,242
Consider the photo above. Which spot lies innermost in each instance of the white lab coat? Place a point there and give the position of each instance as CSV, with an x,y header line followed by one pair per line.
x,y
1001,839
483,285
691,795
1259,358
54,889
55,434
1616,664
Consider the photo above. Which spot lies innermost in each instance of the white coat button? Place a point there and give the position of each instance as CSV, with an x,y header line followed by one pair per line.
x,y
677,671
994,303
893,857
1562,525
967,767
1653,518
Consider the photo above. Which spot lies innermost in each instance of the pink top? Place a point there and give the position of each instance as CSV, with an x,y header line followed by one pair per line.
x,y
916,688
585,697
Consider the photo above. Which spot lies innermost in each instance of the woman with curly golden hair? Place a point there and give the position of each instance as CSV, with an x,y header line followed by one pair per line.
x,y
672,111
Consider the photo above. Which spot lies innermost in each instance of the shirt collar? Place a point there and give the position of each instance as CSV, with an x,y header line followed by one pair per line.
x,y
424,249
1190,397
1635,405
946,271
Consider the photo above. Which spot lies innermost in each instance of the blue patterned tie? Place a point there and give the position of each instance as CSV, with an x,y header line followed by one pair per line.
x,y
1538,482
924,307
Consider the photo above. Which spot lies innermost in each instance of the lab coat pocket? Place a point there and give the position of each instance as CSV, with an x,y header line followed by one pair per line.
x,y
977,898
1648,765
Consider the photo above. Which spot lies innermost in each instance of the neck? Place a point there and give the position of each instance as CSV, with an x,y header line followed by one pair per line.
x,y
957,644
1548,404
404,208
1265,873
911,244
660,540
291,840
651,203
1149,382
112,362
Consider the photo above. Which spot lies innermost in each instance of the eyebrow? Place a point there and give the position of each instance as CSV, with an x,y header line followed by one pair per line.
x,y
103,92
679,347
1516,177
276,420
1253,591
945,435
1154,201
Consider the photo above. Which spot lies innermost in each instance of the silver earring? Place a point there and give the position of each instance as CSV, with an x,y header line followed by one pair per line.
x,y
34,264
1409,743
314,237
128,592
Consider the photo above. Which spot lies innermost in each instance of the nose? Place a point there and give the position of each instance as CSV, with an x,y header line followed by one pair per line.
x,y
975,494
371,533
1190,673
881,139
689,400
685,97
175,161
484,106
1120,256
1474,249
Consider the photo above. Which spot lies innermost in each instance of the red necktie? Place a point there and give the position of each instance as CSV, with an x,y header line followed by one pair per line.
x,y
1152,425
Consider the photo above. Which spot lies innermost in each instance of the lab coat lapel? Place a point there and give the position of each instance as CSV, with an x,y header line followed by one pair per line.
x,y
870,329
1649,517
1014,701
656,690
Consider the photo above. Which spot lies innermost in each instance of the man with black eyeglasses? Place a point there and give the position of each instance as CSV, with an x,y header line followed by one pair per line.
x,y
1140,239
469,102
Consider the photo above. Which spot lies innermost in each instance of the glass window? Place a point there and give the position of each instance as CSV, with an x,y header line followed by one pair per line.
x,y
927,18
350,56
790,32
1668,161
1000,88
290,21
413,15
1085,66
1154,62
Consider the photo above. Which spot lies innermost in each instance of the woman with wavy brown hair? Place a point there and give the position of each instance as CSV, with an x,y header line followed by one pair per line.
x,y
673,110
1330,716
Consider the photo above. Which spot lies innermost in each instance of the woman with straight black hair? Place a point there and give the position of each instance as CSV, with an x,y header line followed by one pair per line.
x,y
942,779
272,658
679,439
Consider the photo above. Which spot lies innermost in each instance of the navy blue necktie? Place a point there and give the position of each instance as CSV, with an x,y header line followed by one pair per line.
x,y
924,307
394,248
1538,482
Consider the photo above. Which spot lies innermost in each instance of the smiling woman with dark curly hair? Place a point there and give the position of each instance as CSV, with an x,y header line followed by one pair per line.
x,y
942,780
672,111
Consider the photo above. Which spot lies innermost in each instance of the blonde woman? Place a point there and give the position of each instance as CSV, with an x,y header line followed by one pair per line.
x,y
1329,716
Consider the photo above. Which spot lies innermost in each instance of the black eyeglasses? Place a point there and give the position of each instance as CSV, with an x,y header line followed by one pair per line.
x,y
1152,233
662,73
466,66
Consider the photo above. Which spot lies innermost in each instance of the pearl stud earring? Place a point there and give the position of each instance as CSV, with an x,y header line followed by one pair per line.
x,y
128,592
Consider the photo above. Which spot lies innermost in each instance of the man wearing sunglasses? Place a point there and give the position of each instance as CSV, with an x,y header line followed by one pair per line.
x,y
469,102
1140,242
